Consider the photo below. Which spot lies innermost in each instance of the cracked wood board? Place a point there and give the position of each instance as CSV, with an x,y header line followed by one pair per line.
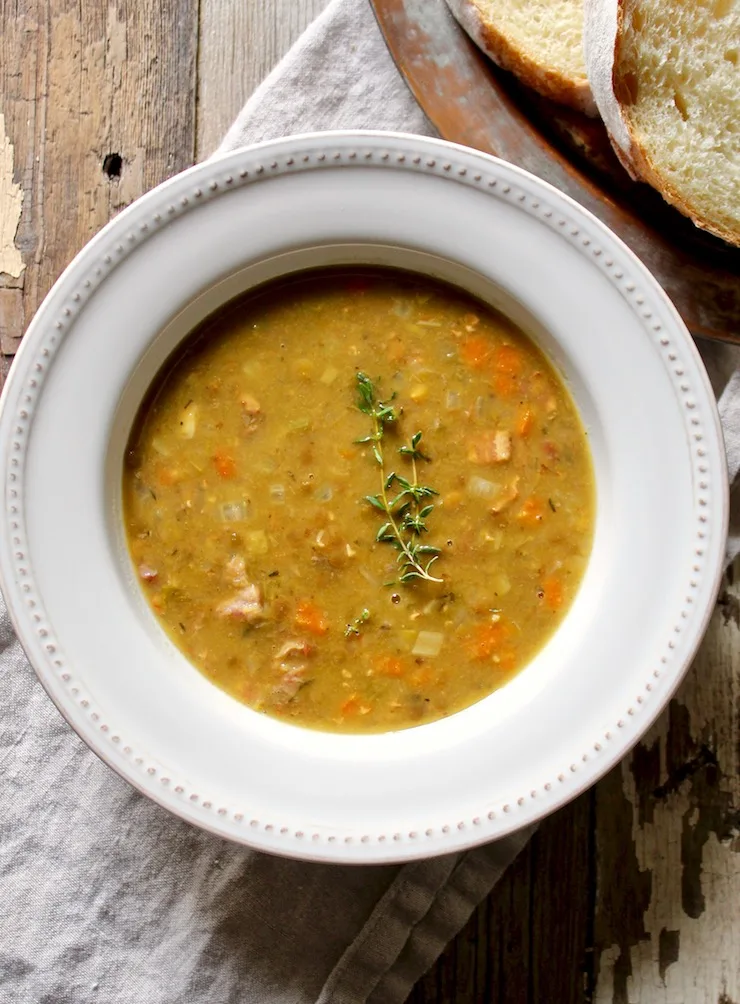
x,y
103,102
667,924
78,83
11,203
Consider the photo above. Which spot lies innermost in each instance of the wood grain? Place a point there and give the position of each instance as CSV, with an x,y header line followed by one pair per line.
x,y
530,942
80,81
667,925
240,42
630,893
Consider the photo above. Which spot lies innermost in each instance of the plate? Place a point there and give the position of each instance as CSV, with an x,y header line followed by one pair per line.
x,y
225,226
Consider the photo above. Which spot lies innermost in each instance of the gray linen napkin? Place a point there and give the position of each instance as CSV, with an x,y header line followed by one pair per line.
x,y
105,896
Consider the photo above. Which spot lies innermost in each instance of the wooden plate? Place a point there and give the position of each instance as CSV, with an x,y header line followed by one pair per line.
x,y
470,101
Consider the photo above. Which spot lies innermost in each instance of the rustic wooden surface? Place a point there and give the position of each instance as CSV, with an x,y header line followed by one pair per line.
x,y
632,893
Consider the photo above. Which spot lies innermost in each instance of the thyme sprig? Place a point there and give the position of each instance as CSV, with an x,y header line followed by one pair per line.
x,y
353,628
407,510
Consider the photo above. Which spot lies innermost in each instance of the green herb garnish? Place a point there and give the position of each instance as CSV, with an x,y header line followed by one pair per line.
x,y
407,511
354,627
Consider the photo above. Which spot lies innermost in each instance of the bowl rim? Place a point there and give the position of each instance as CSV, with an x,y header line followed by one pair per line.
x,y
56,301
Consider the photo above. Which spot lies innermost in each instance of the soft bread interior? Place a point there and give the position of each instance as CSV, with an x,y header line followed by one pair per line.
x,y
549,32
677,77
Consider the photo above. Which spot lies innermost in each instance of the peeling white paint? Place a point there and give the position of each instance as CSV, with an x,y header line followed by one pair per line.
x,y
11,203
607,961
708,963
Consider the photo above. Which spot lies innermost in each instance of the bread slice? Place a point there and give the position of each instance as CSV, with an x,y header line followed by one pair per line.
x,y
666,78
541,41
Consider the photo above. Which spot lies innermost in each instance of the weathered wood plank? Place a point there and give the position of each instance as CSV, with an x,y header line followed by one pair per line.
x,y
11,205
240,42
529,943
668,833
80,81
488,961
562,891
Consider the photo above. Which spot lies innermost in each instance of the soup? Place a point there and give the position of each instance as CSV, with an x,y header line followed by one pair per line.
x,y
359,502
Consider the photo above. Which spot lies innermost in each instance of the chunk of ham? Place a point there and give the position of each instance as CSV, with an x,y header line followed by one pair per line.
x,y
147,573
251,405
251,413
236,570
507,495
247,605
291,657
290,684
291,650
290,660
502,445
491,448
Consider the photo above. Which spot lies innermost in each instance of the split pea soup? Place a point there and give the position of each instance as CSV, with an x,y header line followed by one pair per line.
x,y
359,502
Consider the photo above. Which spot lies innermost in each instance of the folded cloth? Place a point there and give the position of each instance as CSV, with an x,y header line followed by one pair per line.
x,y
105,896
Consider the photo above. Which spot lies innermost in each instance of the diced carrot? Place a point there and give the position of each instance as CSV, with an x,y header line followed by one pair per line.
x,y
389,665
310,617
225,465
508,359
532,511
167,476
420,678
354,706
487,639
249,691
505,384
453,500
525,422
506,660
351,706
475,351
396,351
508,363
552,589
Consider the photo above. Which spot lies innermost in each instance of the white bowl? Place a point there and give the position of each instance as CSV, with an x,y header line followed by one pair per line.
x,y
147,280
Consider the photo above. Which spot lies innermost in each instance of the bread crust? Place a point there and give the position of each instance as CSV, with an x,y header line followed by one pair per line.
x,y
603,38
551,83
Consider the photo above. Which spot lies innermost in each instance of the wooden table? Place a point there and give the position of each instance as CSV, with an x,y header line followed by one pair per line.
x,y
631,893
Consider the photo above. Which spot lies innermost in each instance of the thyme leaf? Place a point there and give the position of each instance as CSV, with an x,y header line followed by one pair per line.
x,y
407,511
353,628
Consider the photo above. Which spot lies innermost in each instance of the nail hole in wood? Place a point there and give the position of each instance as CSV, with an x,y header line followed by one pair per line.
x,y
112,165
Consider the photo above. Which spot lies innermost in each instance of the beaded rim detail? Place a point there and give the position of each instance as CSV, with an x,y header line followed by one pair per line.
x,y
493,178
